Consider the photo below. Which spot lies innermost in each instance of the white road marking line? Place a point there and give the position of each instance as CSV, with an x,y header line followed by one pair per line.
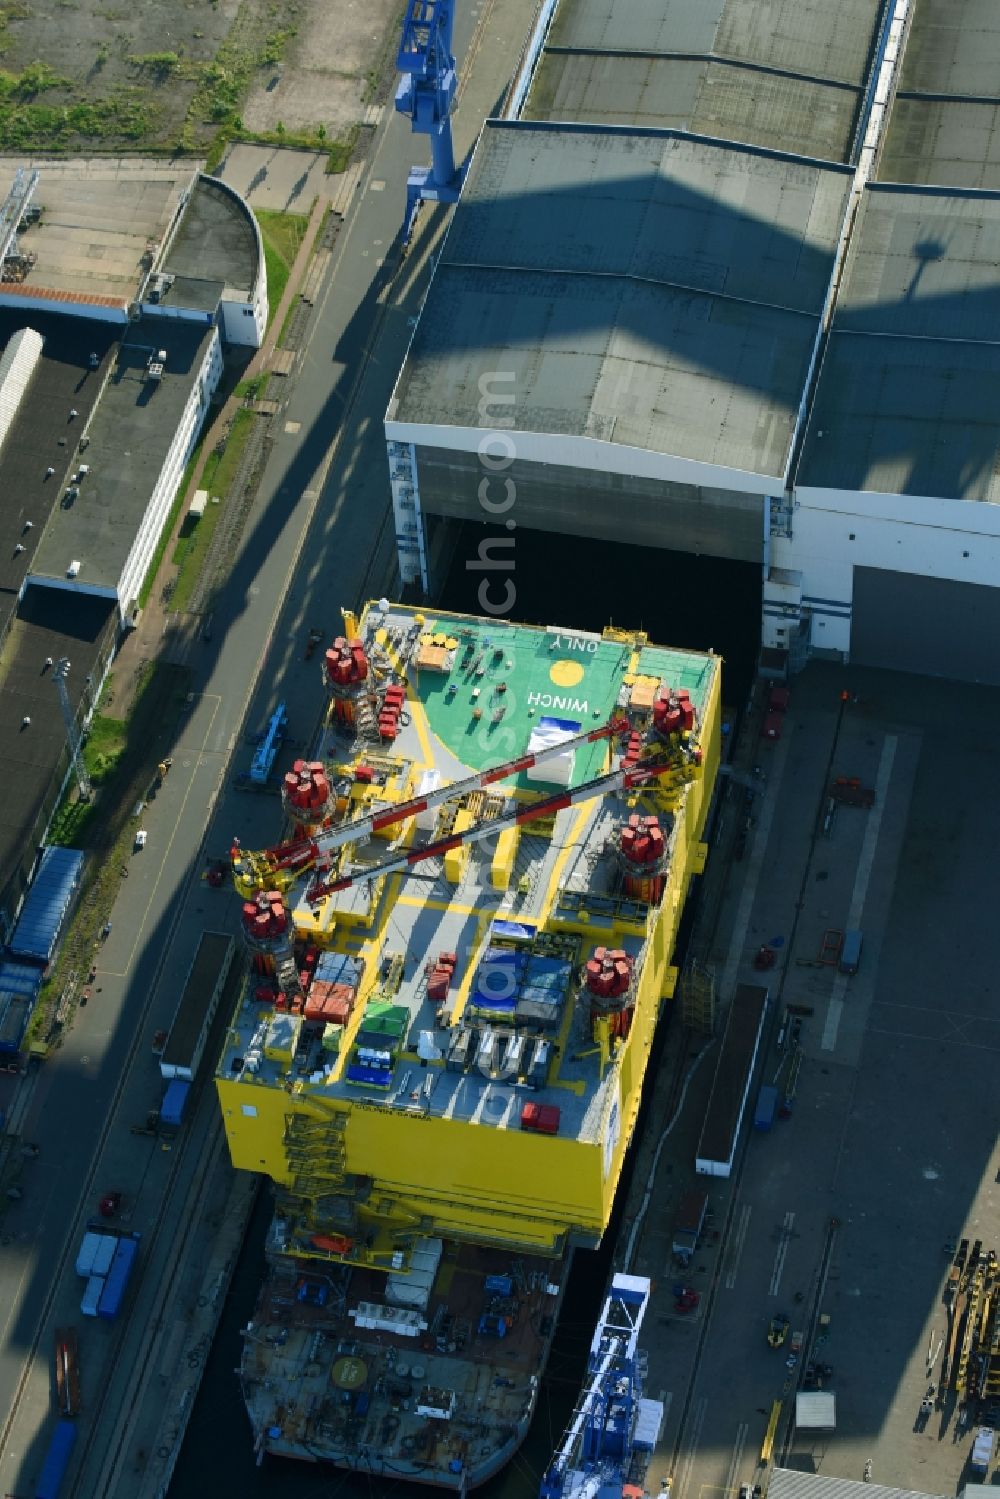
x,y
865,862
733,1476
697,1422
739,1239
779,1258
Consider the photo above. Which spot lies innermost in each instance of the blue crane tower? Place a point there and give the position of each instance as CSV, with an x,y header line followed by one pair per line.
x,y
613,1430
425,94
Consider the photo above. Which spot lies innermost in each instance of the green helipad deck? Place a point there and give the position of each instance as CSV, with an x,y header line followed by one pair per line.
x,y
509,677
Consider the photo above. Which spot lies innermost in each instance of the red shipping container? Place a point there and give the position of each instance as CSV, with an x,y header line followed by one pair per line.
x,y
438,985
772,725
543,1118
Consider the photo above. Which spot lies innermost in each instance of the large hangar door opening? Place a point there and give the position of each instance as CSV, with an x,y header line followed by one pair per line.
x,y
928,625
592,504
678,599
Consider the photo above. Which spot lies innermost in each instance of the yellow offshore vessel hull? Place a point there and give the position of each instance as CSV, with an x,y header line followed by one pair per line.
x,y
457,1178
432,1183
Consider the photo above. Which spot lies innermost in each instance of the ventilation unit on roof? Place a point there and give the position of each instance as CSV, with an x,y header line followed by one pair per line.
x,y
159,286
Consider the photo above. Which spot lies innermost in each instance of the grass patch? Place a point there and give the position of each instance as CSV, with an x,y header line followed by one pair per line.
x,y
128,751
168,527
104,747
339,155
278,272
220,471
71,821
27,124
284,231
158,65
282,234
338,152
224,83
254,388
223,461
189,556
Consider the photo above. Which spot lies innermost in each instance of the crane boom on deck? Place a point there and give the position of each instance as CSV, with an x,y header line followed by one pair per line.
x,y
300,854
615,780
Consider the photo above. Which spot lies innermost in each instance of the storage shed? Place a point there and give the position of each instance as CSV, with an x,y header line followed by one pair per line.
x,y
816,1410
47,905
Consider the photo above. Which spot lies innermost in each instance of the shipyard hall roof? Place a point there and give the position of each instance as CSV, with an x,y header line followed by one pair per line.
x,y
790,75
659,254
644,288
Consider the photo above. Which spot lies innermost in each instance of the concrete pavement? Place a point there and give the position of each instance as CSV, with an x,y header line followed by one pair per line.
x,y
891,1150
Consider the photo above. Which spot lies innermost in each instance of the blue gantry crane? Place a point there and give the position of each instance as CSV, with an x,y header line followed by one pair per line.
x,y
425,95
613,1429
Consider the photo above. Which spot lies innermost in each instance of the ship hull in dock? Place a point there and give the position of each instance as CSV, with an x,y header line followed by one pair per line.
x,y
375,1467
445,1404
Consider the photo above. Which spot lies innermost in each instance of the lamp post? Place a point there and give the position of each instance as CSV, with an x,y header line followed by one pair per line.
x,y
59,675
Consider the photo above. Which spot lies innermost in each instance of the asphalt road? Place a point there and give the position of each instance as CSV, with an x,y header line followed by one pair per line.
x,y
318,537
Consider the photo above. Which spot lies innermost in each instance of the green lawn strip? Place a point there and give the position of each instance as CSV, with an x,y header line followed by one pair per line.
x,y
282,234
168,529
254,388
219,473
124,753
277,279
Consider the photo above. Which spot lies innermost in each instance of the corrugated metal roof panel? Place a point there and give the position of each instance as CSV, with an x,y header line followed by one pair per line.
x,y
816,1410
20,978
786,1484
48,903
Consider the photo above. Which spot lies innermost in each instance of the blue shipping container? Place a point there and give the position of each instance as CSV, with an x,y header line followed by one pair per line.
x,y
118,1277
175,1102
15,1012
47,904
767,1103
56,1461
92,1292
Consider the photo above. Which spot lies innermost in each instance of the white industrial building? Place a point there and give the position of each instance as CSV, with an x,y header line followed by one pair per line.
x,y
122,285
730,284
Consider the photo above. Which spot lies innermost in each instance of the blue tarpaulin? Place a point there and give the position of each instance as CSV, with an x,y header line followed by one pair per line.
x,y
513,931
20,978
47,905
